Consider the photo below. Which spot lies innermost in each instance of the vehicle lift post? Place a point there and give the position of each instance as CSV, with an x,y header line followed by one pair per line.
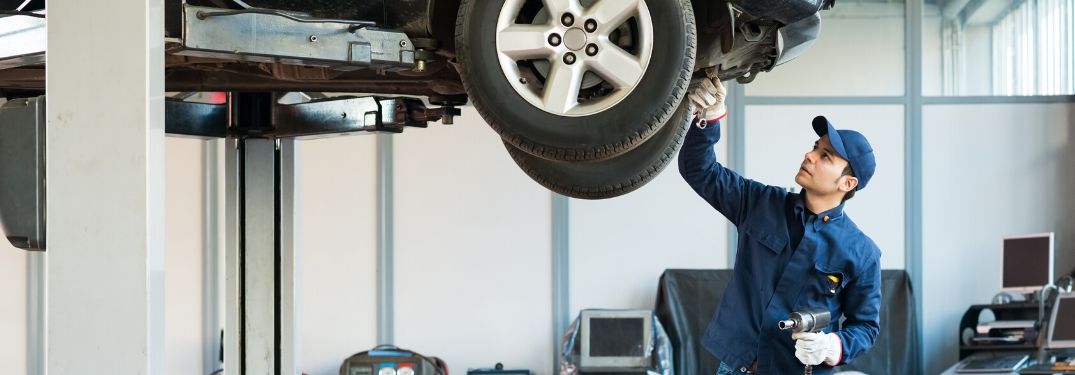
x,y
260,250
261,255
260,132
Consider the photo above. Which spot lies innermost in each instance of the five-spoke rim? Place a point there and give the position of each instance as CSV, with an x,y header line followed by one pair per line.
x,y
571,60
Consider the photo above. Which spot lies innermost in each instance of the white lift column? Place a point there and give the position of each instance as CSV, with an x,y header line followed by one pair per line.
x,y
105,184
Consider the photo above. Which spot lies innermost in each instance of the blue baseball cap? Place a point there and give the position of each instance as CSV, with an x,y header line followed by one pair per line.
x,y
852,146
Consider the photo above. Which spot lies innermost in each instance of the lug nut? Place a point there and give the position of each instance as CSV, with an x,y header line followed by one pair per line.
x,y
555,40
569,58
567,19
591,25
591,49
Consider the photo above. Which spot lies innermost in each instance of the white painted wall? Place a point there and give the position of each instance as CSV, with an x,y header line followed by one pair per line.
x,y
973,75
13,318
860,52
978,68
338,250
988,171
472,256
184,241
932,62
619,247
778,136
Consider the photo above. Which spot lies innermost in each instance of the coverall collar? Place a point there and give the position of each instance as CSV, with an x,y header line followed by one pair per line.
x,y
821,218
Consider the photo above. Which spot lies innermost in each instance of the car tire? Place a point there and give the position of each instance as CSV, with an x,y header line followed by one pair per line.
x,y
612,177
641,109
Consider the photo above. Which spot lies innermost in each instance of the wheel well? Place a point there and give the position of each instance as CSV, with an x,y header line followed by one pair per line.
x,y
708,15
740,46
442,22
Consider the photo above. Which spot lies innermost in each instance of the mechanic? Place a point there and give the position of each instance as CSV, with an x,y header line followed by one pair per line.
x,y
796,250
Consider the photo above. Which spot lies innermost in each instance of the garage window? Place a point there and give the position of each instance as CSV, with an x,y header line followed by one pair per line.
x,y
998,47
1032,49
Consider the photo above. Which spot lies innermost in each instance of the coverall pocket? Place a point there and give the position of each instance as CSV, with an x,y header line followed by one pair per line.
x,y
822,289
774,243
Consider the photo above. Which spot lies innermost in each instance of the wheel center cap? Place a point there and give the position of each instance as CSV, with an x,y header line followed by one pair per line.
x,y
575,39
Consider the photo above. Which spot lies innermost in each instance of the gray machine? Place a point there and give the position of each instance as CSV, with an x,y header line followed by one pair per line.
x,y
22,172
1061,330
616,340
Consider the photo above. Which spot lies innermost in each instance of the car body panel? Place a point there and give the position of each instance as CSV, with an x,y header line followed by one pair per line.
x,y
739,37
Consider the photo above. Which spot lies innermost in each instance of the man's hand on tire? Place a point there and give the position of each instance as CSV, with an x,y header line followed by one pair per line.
x,y
708,99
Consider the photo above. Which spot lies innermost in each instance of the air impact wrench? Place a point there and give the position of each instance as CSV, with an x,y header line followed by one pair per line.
x,y
808,320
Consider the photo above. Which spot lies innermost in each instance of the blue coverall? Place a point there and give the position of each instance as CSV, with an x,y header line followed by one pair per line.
x,y
783,263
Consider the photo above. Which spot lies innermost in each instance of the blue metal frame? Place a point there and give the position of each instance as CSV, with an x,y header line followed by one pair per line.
x,y
824,100
913,169
737,151
385,240
933,100
561,301
36,267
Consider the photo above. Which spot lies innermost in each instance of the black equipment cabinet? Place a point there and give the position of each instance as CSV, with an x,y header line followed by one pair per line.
x,y
1003,312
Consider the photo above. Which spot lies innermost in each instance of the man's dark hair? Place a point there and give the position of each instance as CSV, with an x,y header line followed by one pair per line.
x,y
848,172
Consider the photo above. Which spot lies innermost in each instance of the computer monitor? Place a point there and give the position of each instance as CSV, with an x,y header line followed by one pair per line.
x,y
1027,263
1061,333
615,339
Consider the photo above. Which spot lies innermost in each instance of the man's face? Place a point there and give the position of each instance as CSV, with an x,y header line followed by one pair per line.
x,y
821,172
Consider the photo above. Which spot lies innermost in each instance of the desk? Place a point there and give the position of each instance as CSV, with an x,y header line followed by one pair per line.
x,y
952,371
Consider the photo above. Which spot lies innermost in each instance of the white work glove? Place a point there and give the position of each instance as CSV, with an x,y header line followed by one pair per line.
x,y
708,99
814,348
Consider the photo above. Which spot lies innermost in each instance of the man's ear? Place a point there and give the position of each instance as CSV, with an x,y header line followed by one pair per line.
x,y
848,183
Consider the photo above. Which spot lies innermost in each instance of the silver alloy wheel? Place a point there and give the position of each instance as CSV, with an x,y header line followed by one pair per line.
x,y
565,46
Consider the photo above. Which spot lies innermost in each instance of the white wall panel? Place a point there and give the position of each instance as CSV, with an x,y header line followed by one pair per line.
x,y
858,53
13,318
184,239
778,137
988,171
619,247
338,250
472,255
932,48
977,70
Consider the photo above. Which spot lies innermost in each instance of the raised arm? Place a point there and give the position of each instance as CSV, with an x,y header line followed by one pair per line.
x,y
725,190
